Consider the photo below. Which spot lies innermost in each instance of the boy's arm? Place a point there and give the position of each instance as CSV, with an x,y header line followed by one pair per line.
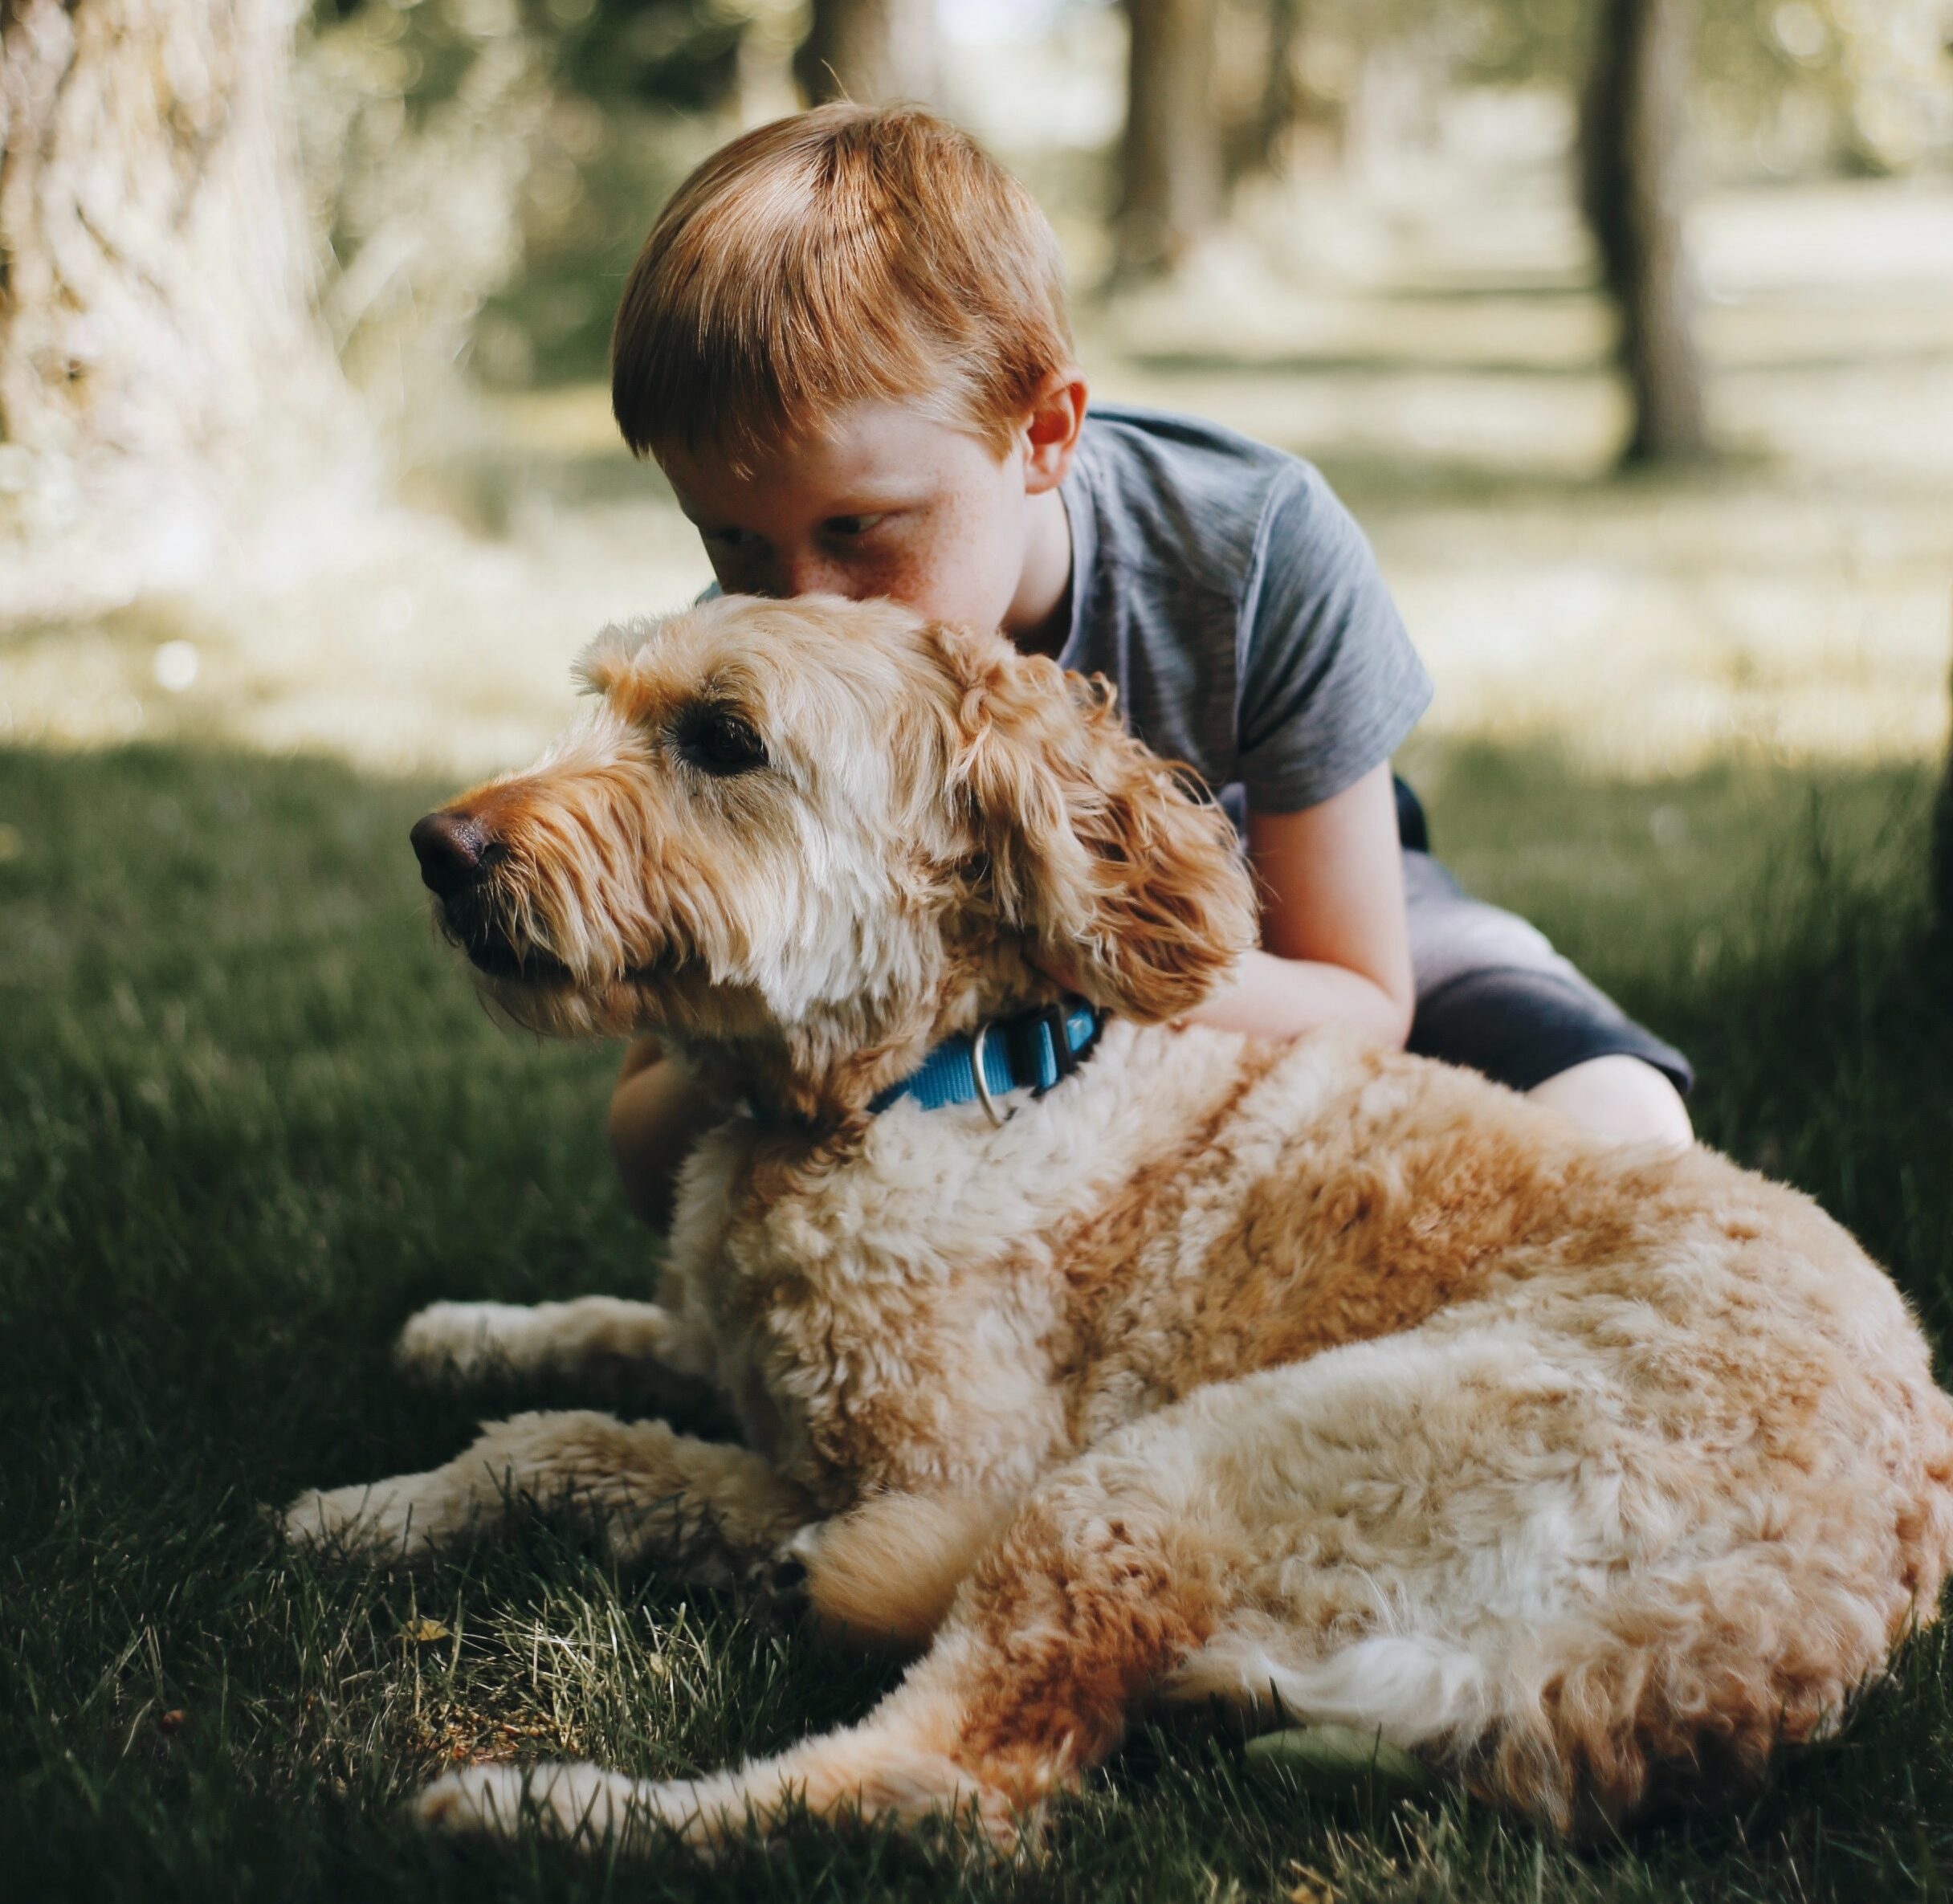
x,y
1334,941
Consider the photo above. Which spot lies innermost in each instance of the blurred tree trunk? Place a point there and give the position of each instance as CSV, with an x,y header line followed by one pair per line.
x,y
1943,864
1632,158
1171,169
1259,148
868,50
1942,868
157,327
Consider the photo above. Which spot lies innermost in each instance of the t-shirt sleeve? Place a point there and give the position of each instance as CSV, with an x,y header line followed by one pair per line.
x,y
1330,684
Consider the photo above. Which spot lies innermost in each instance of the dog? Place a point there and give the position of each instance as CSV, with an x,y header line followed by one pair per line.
x,y
1333,1383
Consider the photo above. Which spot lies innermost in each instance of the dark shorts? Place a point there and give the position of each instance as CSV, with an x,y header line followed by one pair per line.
x,y
1493,994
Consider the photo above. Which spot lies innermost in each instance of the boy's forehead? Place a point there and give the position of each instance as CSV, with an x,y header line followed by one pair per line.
x,y
885,451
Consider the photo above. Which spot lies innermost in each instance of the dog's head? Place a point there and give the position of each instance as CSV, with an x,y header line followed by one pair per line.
x,y
825,834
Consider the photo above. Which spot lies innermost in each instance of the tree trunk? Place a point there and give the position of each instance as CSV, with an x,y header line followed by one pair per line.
x,y
1258,146
1943,864
1942,867
1171,159
158,336
868,50
1632,136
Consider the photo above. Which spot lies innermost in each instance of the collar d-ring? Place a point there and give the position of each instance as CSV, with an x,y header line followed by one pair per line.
x,y
999,1118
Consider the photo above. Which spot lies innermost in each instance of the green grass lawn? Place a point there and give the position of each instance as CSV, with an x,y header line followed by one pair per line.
x,y
250,1117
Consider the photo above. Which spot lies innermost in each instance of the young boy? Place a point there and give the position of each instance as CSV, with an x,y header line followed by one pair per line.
x,y
845,342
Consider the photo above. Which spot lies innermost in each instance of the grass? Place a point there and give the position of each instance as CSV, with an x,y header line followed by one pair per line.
x,y
250,1117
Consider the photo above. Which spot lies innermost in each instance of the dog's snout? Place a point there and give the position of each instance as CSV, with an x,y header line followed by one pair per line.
x,y
454,850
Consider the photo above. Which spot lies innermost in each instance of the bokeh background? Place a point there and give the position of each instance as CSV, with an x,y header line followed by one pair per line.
x,y
303,440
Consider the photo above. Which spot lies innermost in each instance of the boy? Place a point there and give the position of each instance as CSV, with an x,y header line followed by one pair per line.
x,y
845,342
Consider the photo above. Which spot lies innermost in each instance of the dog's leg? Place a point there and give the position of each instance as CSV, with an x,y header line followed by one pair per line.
x,y
1086,1603
468,1339
721,1509
628,1354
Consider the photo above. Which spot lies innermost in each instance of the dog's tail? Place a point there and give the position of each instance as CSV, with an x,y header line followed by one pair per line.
x,y
1676,1689
1415,1692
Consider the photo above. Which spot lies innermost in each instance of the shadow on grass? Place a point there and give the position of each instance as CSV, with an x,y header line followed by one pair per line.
x,y
250,1117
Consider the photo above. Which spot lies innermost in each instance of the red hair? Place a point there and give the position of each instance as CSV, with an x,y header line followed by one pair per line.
x,y
846,254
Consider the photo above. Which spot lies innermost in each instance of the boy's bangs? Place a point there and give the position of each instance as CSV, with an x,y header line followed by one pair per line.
x,y
842,257
738,366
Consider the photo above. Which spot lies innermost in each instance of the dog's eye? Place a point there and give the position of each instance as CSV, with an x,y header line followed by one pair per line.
x,y
719,739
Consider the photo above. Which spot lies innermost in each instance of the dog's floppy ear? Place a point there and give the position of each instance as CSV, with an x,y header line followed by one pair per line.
x,y
1097,851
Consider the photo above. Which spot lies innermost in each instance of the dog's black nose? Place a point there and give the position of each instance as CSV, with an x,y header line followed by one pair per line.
x,y
453,850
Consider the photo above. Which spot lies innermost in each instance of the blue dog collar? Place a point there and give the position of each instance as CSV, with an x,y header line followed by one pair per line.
x,y
1033,1050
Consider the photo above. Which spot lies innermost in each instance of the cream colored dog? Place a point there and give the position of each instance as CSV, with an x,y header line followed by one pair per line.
x,y
1324,1380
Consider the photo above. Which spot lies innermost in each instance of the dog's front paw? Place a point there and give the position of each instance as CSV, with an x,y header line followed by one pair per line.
x,y
384,1518
482,1801
563,1799
457,1341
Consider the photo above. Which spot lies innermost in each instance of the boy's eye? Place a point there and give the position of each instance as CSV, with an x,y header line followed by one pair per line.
x,y
726,538
850,526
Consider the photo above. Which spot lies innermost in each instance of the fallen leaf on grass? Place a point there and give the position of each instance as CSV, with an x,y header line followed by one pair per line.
x,y
1330,1759
1310,1886
423,1632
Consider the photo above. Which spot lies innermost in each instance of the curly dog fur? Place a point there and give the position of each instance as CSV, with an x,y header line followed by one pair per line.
x,y
1325,1380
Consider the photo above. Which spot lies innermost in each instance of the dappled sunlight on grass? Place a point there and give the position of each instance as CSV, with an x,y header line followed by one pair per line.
x,y
435,647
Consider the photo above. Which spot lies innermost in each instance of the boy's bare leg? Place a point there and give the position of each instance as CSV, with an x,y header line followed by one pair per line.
x,y
1621,1098
657,1111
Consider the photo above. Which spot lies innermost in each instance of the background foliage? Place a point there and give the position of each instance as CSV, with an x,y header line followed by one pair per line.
x,y
541,134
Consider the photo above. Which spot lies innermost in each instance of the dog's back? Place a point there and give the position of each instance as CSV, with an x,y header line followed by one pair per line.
x,y
1576,1469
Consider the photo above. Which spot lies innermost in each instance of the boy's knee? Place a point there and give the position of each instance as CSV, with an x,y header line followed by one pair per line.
x,y
655,1114
1621,1098
624,1117
640,1055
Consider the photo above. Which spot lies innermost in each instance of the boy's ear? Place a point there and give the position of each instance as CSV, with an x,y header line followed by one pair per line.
x,y
1051,429
1097,852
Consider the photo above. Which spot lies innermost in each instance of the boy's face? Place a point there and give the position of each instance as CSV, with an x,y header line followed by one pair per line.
x,y
888,502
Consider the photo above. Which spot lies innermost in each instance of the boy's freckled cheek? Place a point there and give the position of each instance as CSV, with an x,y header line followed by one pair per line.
x,y
904,574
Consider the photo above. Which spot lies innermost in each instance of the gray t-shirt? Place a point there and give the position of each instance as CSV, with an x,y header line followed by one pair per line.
x,y
1229,595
